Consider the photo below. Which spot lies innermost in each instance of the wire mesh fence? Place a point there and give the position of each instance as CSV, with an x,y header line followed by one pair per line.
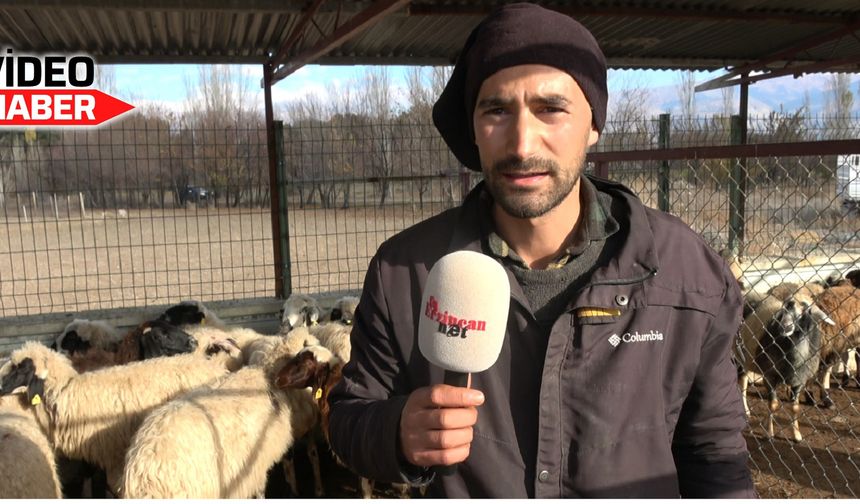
x,y
148,211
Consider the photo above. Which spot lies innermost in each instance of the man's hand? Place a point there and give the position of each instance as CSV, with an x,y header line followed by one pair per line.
x,y
436,424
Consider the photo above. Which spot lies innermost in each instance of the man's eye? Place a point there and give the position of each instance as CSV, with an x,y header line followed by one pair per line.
x,y
495,111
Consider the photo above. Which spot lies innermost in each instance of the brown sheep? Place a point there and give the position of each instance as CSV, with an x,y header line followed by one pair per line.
x,y
842,304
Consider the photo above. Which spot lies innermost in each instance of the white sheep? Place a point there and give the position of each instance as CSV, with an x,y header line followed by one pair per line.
x,y
28,469
300,310
92,416
80,335
220,440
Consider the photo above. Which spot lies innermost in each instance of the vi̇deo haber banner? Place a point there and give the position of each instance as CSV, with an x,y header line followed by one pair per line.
x,y
53,90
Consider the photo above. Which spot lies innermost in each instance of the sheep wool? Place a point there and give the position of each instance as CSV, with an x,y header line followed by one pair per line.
x,y
28,469
92,416
200,446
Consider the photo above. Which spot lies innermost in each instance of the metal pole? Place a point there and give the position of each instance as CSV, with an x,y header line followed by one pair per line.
x,y
663,176
740,175
284,213
274,189
737,192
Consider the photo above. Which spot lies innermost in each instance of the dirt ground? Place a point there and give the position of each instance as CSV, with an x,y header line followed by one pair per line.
x,y
826,464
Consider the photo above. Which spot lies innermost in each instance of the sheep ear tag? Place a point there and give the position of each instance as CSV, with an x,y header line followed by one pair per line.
x,y
318,394
35,391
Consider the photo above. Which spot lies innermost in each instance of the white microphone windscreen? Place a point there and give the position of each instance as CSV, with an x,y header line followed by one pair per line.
x,y
464,312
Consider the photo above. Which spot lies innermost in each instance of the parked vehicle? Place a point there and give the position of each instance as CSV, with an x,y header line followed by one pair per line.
x,y
848,180
194,194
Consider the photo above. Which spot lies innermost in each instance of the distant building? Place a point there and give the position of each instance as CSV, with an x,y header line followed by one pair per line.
x,y
848,179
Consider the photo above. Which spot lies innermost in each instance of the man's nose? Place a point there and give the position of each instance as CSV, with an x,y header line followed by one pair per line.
x,y
523,135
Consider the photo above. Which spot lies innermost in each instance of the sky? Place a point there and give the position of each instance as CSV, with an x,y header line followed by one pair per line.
x,y
169,85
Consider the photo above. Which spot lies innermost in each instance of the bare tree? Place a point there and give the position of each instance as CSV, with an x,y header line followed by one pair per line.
x,y
838,105
686,88
218,107
376,102
627,126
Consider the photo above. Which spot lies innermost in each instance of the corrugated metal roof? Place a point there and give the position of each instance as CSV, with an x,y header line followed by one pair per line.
x,y
635,33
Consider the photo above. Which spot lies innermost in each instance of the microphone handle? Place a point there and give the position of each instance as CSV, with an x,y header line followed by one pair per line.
x,y
455,379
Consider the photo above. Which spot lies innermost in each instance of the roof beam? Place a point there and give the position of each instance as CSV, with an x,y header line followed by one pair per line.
x,y
357,24
796,71
297,32
682,14
788,53
274,6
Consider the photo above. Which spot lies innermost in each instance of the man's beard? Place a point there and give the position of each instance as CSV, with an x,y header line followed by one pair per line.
x,y
525,203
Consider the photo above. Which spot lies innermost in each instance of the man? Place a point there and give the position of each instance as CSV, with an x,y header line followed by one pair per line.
x,y
615,376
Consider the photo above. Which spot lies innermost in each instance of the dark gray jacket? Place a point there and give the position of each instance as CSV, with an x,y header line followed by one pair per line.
x,y
641,404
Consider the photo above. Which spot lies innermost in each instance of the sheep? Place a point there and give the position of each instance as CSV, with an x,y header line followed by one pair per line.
x,y
842,304
190,313
300,310
334,334
853,278
198,446
27,465
753,330
151,339
81,335
92,416
789,351
783,290
342,311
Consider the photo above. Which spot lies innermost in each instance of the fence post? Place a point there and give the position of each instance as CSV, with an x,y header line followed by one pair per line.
x,y
737,190
663,176
284,234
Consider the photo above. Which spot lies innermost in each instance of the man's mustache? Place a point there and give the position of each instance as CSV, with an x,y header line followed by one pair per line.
x,y
515,164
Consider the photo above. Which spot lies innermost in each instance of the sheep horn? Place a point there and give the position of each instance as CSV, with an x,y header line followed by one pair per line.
x,y
819,314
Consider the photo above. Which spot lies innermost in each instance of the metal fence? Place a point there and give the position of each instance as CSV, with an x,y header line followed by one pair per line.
x,y
148,211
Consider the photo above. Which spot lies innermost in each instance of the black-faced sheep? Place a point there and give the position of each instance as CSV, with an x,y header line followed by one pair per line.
x,y
200,445
191,313
149,340
81,335
789,351
92,416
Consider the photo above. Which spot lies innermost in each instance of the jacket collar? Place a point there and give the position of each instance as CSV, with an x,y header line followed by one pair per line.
x,y
636,257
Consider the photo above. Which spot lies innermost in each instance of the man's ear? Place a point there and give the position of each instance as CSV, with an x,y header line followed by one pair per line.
x,y
593,136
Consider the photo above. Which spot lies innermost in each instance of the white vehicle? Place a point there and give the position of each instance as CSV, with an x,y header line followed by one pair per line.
x,y
848,180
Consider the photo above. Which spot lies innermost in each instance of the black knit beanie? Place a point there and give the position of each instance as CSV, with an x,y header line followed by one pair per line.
x,y
517,34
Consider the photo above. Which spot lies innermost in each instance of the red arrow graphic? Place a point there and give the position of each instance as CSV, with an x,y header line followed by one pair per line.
x,y
58,107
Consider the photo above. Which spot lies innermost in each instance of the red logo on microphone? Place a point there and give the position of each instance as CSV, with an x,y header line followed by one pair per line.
x,y
451,325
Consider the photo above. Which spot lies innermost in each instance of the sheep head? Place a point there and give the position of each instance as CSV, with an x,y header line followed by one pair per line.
x,y
158,338
27,371
853,276
796,308
80,335
343,310
299,310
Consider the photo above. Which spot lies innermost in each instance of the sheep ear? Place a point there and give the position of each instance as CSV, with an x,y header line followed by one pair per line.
x,y
819,315
35,391
22,375
298,373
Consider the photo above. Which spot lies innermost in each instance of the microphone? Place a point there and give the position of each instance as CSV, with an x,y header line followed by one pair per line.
x,y
463,318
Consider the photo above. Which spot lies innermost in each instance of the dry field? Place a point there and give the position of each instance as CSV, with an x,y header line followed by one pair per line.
x,y
148,257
